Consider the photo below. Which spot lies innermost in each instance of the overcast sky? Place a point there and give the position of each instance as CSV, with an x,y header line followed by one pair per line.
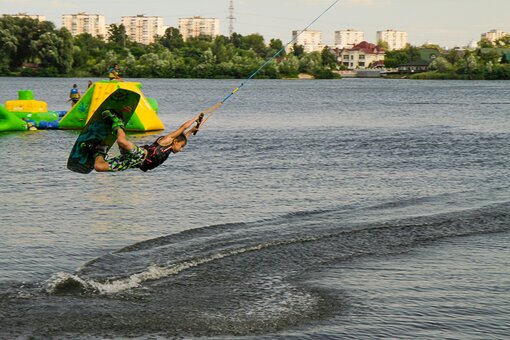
x,y
445,22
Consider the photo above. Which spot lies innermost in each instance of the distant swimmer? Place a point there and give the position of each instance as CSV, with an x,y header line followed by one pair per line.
x,y
74,95
145,157
114,73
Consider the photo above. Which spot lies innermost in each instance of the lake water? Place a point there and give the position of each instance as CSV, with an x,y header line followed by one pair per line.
x,y
352,208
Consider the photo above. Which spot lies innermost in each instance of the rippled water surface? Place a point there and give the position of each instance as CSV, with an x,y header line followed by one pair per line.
x,y
349,209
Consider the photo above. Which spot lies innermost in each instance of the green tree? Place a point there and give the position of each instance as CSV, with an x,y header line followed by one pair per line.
x,y
441,64
209,57
172,39
433,47
8,45
55,51
298,50
382,45
393,59
271,71
325,73
220,50
93,46
276,45
309,62
504,41
236,39
17,36
468,66
453,56
328,58
485,43
156,65
28,32
289,67
137,50
102,65
413,52
492,56
201,43
65,50
225,69
117,35
254,42
501,71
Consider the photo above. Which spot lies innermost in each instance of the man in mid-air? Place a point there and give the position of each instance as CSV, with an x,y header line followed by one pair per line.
x,y
145,157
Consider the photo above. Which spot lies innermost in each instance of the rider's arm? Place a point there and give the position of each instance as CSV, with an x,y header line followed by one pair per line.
x,y
191,131
183,127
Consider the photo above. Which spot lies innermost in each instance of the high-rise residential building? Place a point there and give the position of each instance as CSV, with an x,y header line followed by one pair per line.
x,y
310,40
494,35
25,15
396,40
348,38
143,29
199,26
93,24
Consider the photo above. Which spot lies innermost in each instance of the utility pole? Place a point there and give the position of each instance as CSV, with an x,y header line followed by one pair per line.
x,y
231,18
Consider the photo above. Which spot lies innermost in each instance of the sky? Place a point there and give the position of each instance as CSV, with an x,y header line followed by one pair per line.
x,y
448,23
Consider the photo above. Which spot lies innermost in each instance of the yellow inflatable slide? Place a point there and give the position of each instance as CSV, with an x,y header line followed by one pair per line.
x,y
145,117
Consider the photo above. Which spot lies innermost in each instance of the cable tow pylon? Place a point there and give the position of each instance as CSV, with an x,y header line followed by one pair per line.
x,y
210,111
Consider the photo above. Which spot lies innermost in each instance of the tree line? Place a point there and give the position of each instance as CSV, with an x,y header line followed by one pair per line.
x,y
29,47
490,61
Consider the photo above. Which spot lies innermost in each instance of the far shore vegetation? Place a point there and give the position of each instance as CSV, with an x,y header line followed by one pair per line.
x,y
490,61
29,47
32,48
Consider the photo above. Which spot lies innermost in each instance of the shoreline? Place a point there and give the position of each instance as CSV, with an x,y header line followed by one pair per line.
x,y
302,76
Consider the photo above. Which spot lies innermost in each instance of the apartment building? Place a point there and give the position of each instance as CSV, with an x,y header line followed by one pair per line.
x,y
310,40
348,38
494,35
25,15
93,24
143,29
198,26
396,40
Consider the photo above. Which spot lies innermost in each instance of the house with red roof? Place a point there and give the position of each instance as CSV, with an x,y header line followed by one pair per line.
x,y
361,56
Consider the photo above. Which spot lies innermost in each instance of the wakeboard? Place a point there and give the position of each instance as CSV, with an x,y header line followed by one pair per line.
x,y
98,130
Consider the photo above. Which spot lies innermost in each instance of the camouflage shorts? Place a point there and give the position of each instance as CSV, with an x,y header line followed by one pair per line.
x,y
127,159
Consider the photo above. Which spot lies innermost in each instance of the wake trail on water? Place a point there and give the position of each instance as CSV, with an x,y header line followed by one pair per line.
x,y
317,236
235,279
71,283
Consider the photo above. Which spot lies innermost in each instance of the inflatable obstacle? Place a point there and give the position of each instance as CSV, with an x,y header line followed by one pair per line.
x,y
10,122
145,117
27,112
